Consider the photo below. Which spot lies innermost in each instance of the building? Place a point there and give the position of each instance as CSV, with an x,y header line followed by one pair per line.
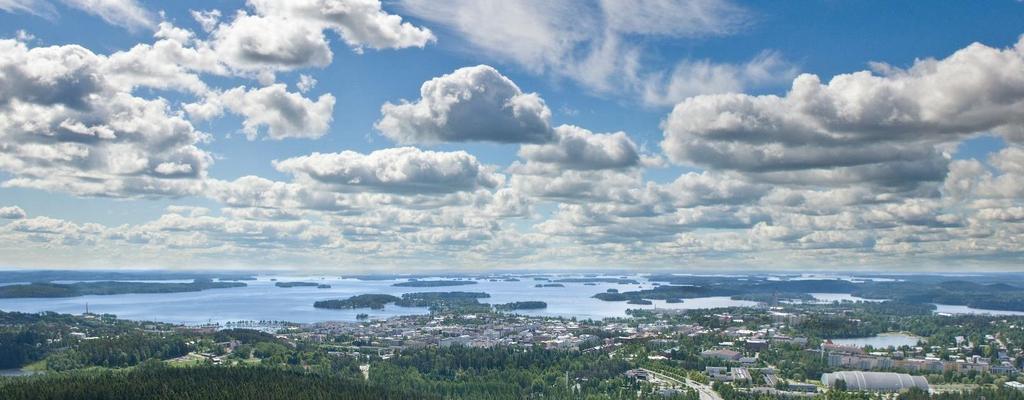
x,y
721,354
885,382
725,374
859,361
933,365
637,374
756,344
718,373
837,348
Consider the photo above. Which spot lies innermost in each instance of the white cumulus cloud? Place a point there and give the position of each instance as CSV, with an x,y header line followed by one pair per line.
x,y
469,104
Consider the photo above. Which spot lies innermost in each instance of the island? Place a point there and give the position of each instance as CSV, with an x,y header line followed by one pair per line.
x,y
323,286
438,283
548,285
373,301
621,281
521,305
436,301
443,300
641,302
45,289
295,284
611,296
774,297
988,293
138,275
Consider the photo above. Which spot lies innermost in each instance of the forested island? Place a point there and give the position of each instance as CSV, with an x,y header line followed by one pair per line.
x,y
372,301
548,285
992,296
295,284
663,293
521,305
773,297
139,275
983,293
620,281
437,283
436,301
443,300
44,289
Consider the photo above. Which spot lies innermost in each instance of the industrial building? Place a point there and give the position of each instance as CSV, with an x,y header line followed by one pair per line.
x,y
887,382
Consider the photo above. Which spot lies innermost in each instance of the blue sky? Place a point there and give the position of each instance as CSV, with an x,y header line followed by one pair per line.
x,y
730,154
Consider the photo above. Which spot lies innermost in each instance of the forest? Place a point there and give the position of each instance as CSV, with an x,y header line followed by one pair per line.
x,y
27,338
372,301
45,289
521,305
982,293
294,284
153,380
15,276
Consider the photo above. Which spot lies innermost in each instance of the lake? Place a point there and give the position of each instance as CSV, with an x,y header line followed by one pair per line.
x,y
884,340
830,297
951,309
261,300
18,372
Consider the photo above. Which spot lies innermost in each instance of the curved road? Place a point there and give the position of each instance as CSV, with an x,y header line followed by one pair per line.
x,y
705,391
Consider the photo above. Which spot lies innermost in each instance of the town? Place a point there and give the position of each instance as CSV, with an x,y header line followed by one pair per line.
x,y
773,351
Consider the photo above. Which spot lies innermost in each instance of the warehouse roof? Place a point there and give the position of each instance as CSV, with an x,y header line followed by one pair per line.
x,y
875,381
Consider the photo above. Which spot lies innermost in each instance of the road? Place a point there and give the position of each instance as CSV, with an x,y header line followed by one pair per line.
x,y
705,391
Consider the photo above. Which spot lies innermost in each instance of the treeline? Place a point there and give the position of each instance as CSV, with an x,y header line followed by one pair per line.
x,y
372,301
436,301
24,345
774,297
118,351
997,296
199,383
295,284
666,292
503,373
521,305
27,338
86,275
45,289
978,293
871,319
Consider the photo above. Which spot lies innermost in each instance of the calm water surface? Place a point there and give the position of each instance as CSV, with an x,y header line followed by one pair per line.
x,y
894,339
951,309
17,372
830,297
261,300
